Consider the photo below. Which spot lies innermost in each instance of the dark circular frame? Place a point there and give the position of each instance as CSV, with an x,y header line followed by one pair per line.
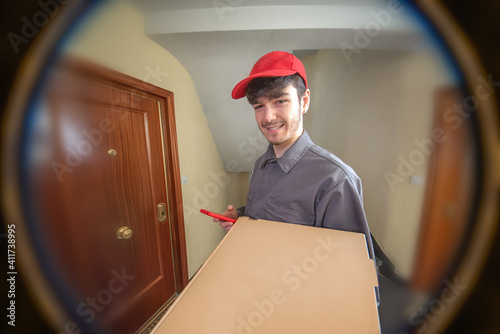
x,y
42,54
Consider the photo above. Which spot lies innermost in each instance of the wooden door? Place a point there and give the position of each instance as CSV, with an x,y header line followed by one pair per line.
x,y
106,183
449,193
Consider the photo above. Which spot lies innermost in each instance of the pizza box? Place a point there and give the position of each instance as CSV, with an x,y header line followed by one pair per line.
x,y
272,277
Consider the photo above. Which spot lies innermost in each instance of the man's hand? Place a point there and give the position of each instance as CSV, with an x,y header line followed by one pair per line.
x,y
231,213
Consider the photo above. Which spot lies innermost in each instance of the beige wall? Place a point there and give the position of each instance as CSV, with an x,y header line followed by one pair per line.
x,y
114,37
369,112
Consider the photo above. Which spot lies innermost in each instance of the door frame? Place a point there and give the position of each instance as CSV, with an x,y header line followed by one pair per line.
x,y
443,227
118,80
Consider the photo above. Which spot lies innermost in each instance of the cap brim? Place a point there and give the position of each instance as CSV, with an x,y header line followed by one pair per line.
x,y
240,88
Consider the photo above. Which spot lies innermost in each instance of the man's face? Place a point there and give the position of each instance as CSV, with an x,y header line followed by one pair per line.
x,y
280,117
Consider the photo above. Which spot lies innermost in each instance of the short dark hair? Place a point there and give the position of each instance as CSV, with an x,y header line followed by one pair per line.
x,y
272,87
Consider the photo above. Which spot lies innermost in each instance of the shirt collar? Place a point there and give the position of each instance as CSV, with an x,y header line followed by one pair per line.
x,y
268,157
292,155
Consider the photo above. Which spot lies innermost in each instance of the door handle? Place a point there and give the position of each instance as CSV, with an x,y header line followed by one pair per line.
x,y
124,233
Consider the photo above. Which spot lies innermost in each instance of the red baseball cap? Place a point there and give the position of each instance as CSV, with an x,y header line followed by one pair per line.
x,y
273,64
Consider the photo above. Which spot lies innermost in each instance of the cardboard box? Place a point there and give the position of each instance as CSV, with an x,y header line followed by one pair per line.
x,y
270,277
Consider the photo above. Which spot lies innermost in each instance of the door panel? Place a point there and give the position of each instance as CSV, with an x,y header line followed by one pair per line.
x,y
448,195
104,167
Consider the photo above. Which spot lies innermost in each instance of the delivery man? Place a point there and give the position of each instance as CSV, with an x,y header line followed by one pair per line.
x,y
294,181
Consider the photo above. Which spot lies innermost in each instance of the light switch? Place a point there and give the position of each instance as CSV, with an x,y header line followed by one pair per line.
x,y
417,180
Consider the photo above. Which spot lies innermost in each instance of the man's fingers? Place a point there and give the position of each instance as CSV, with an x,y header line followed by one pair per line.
x,y
226,225
231,212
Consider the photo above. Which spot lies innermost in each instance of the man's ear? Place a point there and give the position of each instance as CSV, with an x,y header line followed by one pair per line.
x,y
306,99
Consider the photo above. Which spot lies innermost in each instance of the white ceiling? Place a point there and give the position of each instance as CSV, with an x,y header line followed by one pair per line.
x,y
219,41
167,5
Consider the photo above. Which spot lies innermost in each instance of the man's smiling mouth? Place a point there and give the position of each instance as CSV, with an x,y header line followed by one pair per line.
x,y
274,127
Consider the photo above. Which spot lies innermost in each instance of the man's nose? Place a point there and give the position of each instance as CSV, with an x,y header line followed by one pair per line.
x,y
269,114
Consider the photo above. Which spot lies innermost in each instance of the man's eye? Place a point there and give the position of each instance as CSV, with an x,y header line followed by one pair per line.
x,y
257,107
280,101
